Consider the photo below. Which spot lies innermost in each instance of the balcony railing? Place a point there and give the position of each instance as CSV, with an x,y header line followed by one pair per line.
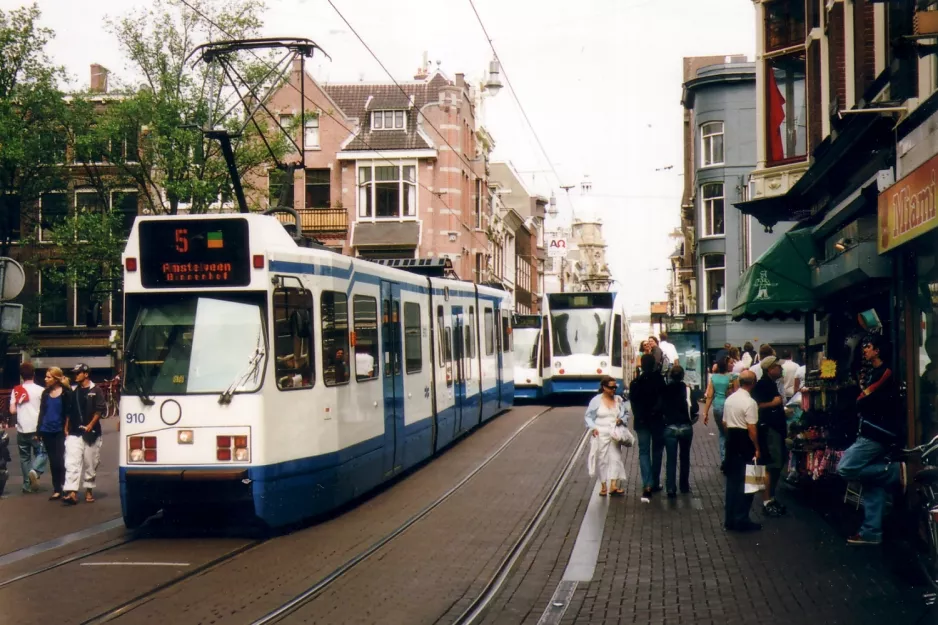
x,y
320,220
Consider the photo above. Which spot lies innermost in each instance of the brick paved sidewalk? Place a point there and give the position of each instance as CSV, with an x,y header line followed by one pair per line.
x,y
671,562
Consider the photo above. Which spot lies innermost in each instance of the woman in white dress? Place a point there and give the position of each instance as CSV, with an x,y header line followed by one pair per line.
x,y
605,412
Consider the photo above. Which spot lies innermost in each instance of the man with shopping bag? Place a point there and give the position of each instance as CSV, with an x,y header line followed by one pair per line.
x,y
740,415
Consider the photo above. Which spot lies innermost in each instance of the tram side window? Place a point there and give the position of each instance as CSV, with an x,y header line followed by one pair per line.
x,y
617,341
448,354
489,318
470,334
365,314
506,332
413,360
334,316
440,333
293,340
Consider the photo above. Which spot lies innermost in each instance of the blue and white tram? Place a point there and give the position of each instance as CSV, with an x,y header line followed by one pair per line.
x,y
284,380
529,366
588,334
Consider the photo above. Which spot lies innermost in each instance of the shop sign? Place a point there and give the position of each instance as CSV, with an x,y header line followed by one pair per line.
x,y
557,247
907,208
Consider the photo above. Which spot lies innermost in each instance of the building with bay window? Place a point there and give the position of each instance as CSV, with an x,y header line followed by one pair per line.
x,y
719,243
392,170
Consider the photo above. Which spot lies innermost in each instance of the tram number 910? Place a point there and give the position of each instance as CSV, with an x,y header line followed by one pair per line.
x,y
135,417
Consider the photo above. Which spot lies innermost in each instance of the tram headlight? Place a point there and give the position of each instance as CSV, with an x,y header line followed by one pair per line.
x,y
185,437
557,365
136,455
241,455
603,364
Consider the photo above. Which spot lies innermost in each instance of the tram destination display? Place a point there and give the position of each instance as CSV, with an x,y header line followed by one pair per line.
x,y
194,253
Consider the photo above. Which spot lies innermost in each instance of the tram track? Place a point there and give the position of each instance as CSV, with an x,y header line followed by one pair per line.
x,y
492,586
120,542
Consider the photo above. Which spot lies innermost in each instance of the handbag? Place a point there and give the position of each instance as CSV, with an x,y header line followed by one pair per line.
x,y
755,478
693,415
623,436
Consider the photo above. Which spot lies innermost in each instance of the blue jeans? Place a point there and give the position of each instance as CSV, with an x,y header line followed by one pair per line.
x,y
650,447
864,462
32,456
718,418
676,437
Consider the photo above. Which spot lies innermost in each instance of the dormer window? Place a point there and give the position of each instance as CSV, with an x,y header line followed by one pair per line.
x,y
388,120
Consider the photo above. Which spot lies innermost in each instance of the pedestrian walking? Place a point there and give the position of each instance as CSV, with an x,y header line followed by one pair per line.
x,y
24,403
4,459
655,350
719,387
680,413
83,444
606,411
645,396
668,349
55,410
773,427
741,414
880,428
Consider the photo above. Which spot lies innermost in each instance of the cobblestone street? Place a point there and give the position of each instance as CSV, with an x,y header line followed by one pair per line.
x,y
670,561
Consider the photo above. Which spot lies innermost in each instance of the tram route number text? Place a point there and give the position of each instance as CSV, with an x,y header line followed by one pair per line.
x,y
135,417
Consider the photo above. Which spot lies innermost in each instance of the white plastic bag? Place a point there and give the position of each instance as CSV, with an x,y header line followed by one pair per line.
x,y
755,478
623,435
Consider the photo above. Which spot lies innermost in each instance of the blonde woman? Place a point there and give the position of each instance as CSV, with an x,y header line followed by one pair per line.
x,y
56,408
605,411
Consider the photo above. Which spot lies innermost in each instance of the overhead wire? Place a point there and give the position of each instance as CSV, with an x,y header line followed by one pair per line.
x,y
381,156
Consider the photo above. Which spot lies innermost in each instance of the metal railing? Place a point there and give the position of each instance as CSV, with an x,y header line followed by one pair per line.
x,y
320,220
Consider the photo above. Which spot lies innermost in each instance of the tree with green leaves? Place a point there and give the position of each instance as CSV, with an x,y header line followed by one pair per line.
x,y
170,98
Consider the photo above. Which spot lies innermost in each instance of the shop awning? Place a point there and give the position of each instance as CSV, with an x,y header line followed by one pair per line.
x,y
778,285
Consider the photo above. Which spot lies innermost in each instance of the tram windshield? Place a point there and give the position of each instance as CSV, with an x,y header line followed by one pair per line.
x,y
194,344
581,331
526,347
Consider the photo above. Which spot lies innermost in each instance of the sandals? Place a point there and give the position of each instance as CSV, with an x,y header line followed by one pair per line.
x,y
70,501
55,497
89,498
602,491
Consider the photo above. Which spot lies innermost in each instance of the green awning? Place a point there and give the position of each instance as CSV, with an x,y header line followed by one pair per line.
x,y
778,285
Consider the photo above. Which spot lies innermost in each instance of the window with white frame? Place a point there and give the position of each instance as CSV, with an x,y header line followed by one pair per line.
x,y
311,133
714,282
286,122
53,211
711,144
88,201
712,205
388,120
387,191
124,203
53,299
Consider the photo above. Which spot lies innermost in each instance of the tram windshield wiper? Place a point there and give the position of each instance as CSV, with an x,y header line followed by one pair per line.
x,y
131,358
252,369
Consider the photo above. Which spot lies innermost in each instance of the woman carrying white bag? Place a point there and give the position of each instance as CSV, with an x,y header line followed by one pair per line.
x,y
607,419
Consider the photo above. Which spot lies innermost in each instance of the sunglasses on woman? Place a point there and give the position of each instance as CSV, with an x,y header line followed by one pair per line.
x,y
612,387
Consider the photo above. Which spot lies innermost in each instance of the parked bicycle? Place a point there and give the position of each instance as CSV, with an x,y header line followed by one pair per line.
x,y
926,481
112,390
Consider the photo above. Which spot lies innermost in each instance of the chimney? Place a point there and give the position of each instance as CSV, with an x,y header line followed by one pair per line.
x,y
460,80
98,78
422,71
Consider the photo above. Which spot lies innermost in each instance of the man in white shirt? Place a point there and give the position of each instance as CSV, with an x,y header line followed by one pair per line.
x,y
24,403
789,371
668,349
740,416
765,350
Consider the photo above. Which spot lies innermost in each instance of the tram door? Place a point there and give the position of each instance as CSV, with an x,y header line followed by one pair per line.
x,y
393,376
459,371
499,357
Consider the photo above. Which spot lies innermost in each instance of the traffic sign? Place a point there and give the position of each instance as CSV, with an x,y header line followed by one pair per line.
x,y
11,318
12,278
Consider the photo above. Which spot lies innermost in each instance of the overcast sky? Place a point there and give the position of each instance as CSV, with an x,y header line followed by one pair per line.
x,y
599,79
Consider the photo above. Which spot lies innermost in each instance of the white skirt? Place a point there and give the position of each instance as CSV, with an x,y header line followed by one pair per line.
x,y
605,456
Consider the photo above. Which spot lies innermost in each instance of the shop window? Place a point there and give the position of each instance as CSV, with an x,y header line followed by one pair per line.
x,y
784,24
714,282
711,144
317,188
365,312
489,321
713,209
413,361
293,338
786,109
334,316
